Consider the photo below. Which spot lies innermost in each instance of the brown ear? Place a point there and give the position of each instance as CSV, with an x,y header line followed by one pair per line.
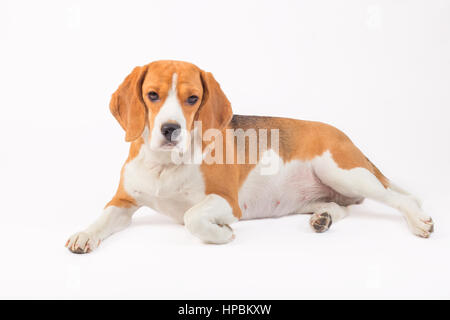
x,y
215,110
127,104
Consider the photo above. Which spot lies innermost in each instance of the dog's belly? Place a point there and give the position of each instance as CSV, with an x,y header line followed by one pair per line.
x,y
287,191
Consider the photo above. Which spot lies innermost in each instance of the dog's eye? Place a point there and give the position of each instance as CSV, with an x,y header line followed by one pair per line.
x,y
192,100
153,96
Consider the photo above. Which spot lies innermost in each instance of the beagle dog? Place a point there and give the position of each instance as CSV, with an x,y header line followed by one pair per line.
x,y
168,110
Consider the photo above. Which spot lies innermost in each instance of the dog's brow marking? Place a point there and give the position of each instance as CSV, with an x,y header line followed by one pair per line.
x,y
174,82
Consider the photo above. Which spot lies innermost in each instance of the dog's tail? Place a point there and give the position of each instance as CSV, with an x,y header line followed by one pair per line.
x,y
384,181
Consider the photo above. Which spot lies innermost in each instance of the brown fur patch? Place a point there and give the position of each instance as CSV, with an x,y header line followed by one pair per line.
x,y
122,199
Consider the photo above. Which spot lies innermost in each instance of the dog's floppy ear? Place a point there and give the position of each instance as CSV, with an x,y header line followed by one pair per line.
x,y
215,110
127,104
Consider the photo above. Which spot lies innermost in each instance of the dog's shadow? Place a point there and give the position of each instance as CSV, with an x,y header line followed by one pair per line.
x,y
148,217
367,211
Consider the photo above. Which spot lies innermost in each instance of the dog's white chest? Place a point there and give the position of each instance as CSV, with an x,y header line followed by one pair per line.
x,y
169,189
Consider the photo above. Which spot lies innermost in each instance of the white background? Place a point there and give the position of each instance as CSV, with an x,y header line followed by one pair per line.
x,y
378,70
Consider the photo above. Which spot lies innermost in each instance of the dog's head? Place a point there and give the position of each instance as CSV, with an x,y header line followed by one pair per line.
x,y
168,96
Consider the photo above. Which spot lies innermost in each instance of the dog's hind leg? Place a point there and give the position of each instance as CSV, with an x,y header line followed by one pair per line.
x,y
363,180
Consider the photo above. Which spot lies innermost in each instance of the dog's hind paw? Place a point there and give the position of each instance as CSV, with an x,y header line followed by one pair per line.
x,y
82,242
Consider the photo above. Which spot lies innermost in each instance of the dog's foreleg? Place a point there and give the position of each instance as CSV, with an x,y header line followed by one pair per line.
x,y
113,219
209,220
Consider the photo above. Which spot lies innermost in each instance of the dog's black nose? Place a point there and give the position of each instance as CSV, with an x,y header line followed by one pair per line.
x,y
170,131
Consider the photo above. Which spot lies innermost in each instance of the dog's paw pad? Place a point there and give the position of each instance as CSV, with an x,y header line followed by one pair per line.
x,y
320,222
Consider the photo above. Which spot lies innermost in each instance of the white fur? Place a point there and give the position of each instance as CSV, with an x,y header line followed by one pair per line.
x,y
209,220
154,181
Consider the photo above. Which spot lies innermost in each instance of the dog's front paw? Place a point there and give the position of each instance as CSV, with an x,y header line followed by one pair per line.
x,y
224,235
82,242
214,233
